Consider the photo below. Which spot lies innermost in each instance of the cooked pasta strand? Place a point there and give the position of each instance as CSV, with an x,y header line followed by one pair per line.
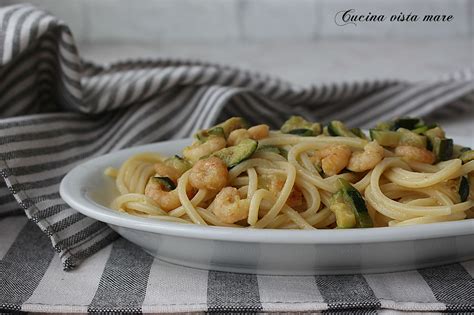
x,y
276,180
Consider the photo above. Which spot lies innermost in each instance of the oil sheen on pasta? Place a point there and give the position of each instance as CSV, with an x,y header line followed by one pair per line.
x,y
304,176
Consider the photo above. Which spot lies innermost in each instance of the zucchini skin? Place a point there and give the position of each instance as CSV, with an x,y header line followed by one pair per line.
x,y
467,156
420,130
416,125
355,200
385,138
302,132
458,150
232,124
442,148
337,128
223,129
359,133
386,125
297,125
358,203
204,135
237,153
165,182
463,188
178,163
407,123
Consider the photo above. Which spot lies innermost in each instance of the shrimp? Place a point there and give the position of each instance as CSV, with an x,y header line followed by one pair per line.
x,y
415,154
275,183
256,133
259,132
210,173
334,158
237,136
295,199
362,161
228,206
167,200
162,169
198,150
315,158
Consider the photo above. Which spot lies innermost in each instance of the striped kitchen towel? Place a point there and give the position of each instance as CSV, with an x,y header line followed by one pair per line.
x,y
122,278
58,111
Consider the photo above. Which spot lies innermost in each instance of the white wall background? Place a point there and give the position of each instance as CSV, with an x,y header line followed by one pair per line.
x,y
166,21
294,39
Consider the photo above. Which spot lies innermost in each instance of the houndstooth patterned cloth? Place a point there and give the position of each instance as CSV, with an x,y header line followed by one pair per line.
x,y
58,110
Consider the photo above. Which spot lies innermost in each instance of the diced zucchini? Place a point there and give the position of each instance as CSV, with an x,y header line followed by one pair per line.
x,y
178,163
385,125
217,131
458,150
232,124
302,132
300,126
223,129
442,148
385,138
420,130
404,122
359,133
317,128
165,182
237,153
407,123
463,189
421,124
467,156
354,199
284,153
203,135
294,122
410,138
337,128
345,218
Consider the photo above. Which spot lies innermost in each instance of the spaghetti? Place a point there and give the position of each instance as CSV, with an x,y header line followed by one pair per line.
x,y
303,177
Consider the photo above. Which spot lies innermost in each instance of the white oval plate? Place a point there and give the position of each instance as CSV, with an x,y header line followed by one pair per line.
x,y
283,252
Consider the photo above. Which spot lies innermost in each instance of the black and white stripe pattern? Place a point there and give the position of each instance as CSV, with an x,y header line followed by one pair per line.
x,y
123,279
58,111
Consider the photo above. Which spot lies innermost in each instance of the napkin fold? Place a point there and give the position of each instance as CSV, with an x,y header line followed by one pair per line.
x,y
57,111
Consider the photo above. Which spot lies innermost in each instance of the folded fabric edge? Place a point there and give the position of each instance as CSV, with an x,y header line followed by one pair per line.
x,y
70,257
281,306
